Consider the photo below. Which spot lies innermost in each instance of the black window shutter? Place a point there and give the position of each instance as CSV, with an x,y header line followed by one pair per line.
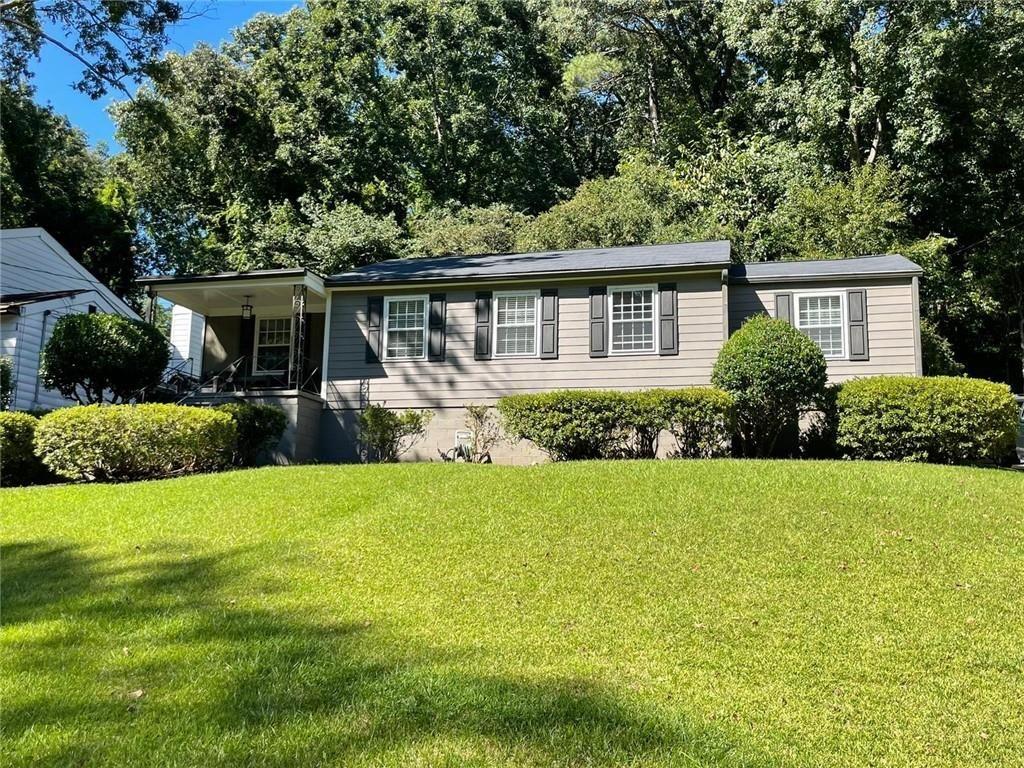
x,y
784,307
857,310
482,346
374,320
668,320
599,322
436,327
549,323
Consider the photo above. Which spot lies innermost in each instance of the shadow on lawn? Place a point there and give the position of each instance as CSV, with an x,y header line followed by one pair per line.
x,y
236,685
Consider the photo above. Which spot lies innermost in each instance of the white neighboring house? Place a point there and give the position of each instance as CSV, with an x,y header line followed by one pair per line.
x,y
39,283
187,331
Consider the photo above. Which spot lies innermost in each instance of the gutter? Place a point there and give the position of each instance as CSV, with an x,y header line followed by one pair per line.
x,y
747,280
224,276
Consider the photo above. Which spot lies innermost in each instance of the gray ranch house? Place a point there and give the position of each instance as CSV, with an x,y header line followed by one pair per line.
x,y
441,333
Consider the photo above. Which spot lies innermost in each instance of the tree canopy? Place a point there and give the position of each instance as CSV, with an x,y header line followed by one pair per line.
x,y
347,131
52,179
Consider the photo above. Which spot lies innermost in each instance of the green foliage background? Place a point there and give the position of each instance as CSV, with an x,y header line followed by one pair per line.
x,y
347,131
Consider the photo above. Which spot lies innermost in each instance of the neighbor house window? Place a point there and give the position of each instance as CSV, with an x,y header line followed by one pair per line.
x,y
515,324
632,318
405,328
273,345
820,316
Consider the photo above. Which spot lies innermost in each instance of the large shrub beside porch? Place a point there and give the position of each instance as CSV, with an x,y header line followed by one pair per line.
x,y
599,424
942,419
132,442
258,428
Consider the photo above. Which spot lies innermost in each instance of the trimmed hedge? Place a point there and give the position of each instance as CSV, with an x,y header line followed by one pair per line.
x,y
701,419
18,463
132,442
939,419
573,425
568,425
258,427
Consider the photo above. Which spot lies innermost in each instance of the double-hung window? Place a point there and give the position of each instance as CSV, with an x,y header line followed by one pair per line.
x,y
632,319
405,328
515,324
820,316
273,345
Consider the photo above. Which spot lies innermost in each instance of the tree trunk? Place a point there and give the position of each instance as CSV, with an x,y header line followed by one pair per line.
x,y
652,105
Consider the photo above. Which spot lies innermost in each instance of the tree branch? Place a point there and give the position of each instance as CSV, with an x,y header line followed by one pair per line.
x,y
11,4
96,73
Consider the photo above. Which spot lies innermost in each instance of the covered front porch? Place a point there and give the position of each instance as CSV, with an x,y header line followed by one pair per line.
x,y
261,331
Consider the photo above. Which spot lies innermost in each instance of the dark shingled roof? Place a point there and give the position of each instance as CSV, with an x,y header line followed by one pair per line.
x,y
862,266
637,258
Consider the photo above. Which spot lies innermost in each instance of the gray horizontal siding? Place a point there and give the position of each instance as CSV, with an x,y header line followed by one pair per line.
x,y
891,321
460,379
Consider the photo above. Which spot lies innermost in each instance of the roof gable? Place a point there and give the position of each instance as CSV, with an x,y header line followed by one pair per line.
x,y
32,261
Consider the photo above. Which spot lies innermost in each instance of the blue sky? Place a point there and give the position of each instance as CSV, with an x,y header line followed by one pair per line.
x,y
56,70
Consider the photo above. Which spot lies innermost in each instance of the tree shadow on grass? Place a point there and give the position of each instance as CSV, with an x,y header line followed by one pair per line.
x,y
242,685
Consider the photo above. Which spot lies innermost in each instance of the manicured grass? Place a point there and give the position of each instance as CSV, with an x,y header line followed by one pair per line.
x,y
661,613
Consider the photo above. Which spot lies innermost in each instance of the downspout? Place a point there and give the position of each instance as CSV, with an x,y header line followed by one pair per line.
x,y
39,357
915,292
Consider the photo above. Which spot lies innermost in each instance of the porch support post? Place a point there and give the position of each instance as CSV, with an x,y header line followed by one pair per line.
x,y
296,365
150,305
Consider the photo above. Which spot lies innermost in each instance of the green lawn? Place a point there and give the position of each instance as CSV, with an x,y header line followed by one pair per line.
x,y
661,613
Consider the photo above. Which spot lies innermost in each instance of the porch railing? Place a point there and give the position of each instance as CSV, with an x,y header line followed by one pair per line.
x,y
234,378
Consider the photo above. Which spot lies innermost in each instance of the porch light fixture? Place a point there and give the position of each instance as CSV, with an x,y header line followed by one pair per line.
x,y
247,309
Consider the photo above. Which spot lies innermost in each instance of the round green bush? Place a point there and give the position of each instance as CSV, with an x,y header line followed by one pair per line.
x,y
95,357
132,442
18,463
774,372
259,428
942,419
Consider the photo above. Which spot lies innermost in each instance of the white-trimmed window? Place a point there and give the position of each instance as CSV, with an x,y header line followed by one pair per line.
x,y
515,324
405,328
632,319
273,345
820,316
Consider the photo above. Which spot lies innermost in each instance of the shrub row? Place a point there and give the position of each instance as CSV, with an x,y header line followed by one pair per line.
x,y
939,419
599,424
132,442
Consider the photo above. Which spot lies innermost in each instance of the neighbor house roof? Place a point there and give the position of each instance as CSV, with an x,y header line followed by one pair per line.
x,y
566,263
11,302
891,264
33,263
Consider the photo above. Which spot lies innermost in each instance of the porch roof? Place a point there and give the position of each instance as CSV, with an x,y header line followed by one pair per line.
x,y
225,292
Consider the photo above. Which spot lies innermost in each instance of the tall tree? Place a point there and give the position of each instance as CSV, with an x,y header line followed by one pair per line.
x,y
392,107
52,179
